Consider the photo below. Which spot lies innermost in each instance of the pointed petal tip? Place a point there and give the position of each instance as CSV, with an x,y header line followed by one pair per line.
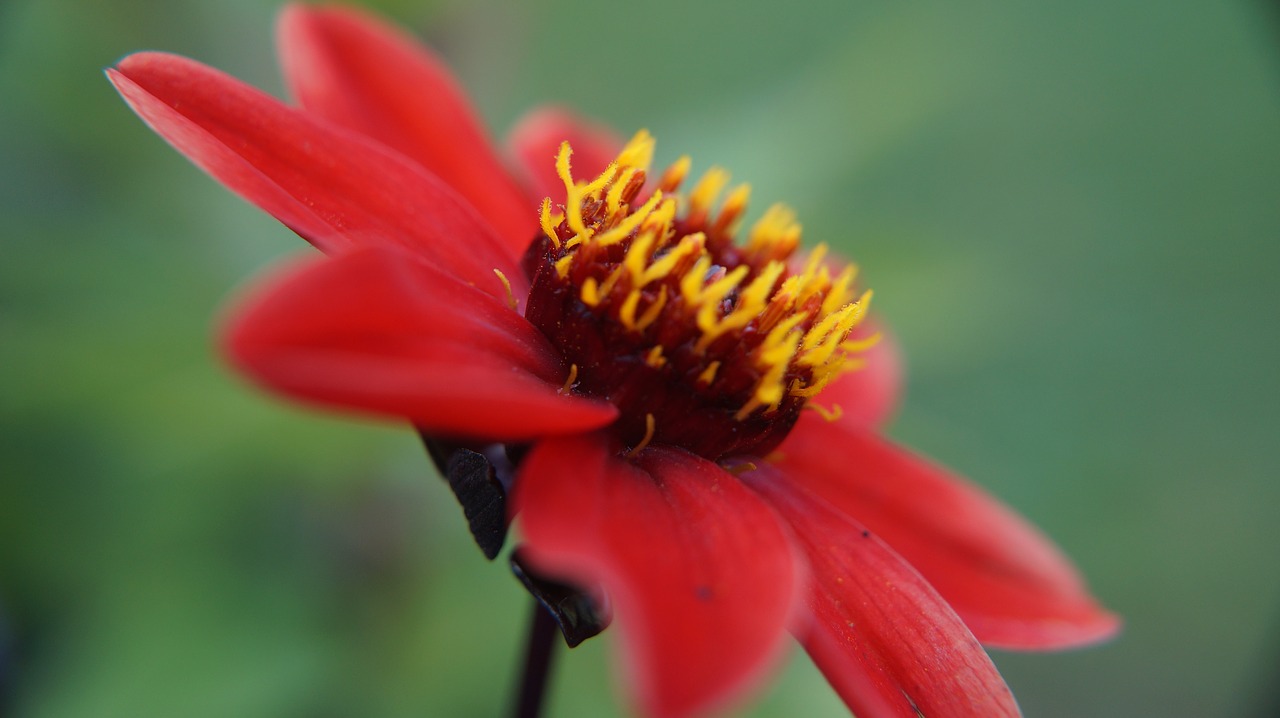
x,y
1078,633
1013,587
337,188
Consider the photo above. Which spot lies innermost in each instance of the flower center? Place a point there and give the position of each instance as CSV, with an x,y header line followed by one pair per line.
x,y
699,341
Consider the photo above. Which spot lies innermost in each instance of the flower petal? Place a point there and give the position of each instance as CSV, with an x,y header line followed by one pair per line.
x,y
363,74
382,332
699,570
535,140
335,188
887,642
1011,585
869,395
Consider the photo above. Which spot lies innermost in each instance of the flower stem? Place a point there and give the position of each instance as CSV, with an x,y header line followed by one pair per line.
x,y
537,663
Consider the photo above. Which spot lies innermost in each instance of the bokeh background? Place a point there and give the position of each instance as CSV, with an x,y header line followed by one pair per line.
x,y
1070,213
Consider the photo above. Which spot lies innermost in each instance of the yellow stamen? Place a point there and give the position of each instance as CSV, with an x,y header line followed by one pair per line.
x,y
675,174
855,346
713,294
734,205
590,292
708,375
653,312
613,200
774,356
805,319
506,284
573,193
638,255
828,415
705,192
627,225
693,280
638,151
648,436
690,245
776,235
593,294
814,278
627,312
573,377
751,303
549,220
752,404
823,329
654,358
840,291
562,265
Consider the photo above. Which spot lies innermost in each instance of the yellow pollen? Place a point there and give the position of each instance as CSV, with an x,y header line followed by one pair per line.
x,y
648,436
506,284
654,358
573,377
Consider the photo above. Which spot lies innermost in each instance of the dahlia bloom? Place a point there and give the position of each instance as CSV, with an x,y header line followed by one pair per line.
x,y
691,420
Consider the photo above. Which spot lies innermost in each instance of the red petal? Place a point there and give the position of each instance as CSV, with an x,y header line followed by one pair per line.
x,y
887,642
698,568
363,74
335,188
536,138
869,395
382,332
1011,585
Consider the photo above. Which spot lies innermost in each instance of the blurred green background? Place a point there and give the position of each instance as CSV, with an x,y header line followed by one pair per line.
x,y
1070,214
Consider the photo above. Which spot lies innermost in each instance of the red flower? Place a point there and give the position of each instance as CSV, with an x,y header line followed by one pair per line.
x,y
657,371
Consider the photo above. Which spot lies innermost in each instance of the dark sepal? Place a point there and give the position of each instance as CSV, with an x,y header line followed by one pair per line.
x,y
575,612
475,484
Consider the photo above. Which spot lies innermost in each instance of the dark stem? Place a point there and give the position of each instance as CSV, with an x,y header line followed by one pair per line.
x,y
537,663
